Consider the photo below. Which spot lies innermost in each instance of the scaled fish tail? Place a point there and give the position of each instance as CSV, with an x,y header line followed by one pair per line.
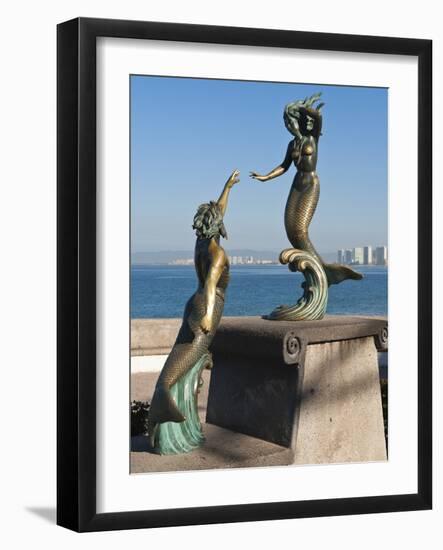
x,y
336,273
163,407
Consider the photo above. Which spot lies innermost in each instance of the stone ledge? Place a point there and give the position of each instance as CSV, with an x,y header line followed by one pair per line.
x,y
153,336
157,336
287,340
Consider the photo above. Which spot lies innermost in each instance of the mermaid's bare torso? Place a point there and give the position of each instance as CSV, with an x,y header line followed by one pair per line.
x,y
303,195
302,202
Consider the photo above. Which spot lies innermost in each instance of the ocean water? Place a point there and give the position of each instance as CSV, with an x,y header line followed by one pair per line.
x,y
162,291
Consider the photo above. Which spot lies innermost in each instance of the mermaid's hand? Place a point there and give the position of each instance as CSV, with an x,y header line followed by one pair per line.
x,y
206,324
258,177
309,101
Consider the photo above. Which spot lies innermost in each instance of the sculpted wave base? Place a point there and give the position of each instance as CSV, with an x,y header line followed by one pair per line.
x,y
183,437
312,305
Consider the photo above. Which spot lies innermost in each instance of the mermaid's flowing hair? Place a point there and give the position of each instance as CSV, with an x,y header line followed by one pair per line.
x,y
293,112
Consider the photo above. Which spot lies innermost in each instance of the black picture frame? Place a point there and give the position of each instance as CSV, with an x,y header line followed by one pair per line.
x,y
76,280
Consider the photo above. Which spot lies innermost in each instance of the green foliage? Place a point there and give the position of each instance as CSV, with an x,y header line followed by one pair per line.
x,y
139,417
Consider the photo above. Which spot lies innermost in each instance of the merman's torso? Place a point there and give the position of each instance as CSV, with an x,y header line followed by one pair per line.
x,y
206,250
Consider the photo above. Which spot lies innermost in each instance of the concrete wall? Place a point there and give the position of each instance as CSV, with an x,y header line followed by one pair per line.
x,y
157,336
153,336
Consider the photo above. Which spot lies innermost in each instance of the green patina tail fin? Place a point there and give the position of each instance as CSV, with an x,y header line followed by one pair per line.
x,y
182,437
336,273
163,407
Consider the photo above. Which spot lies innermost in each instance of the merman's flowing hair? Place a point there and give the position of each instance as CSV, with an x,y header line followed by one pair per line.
x,y
208,221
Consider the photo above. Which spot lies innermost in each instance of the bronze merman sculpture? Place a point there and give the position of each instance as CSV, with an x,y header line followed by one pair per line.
x,y
304,121
174,426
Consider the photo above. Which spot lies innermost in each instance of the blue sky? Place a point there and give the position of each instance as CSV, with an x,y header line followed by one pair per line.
x,y
187,135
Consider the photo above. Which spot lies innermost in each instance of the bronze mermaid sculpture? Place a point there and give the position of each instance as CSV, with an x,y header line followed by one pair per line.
x,y
304,121
173,425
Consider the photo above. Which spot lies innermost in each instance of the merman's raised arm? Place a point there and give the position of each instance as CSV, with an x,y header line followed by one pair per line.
x,y
217,258
222,202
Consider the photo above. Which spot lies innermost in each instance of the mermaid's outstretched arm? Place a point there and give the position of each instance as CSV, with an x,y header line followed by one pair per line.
x,y
278,170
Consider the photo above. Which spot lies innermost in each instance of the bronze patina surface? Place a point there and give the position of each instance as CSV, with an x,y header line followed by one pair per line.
x,y
303,119
175,397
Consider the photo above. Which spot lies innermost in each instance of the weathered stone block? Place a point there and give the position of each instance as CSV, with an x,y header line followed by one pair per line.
x,y
341,417
309,386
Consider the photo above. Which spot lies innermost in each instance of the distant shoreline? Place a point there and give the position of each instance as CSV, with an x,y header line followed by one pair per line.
x,y
165,264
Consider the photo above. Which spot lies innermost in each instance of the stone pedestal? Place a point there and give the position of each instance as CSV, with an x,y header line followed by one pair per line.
x,y
312,387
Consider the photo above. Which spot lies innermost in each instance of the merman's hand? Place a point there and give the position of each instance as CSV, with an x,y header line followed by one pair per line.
x,y
206,324
258,177
233,178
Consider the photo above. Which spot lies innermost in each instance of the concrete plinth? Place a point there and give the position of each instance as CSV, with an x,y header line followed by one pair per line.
x,y
312,387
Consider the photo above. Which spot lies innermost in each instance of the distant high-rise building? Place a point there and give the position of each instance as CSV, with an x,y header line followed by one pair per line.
x,y
381,255
341,256
357,255
367,255
348,256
